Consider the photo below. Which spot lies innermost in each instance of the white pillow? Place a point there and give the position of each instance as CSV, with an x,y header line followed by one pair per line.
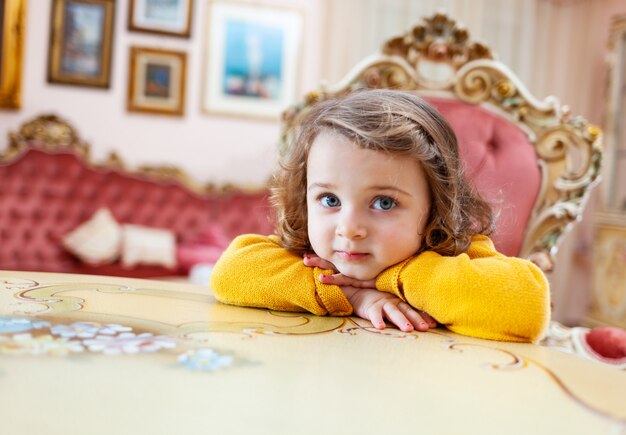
x,y
149,246
97,240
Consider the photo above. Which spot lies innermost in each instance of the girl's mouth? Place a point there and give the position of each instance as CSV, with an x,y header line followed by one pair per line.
x,y
352,256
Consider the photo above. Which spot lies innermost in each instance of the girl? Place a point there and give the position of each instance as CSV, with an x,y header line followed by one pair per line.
x,y
376,219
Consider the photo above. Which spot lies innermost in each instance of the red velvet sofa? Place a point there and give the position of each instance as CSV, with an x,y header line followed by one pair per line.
x,y
49,186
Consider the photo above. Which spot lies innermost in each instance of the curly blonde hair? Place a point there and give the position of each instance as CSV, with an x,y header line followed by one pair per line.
x,y
393,122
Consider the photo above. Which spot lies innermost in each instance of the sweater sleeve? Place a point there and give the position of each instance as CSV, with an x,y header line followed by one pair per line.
x,y
480,293
255,271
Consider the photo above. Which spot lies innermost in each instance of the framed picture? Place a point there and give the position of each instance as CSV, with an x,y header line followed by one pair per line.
x,y
157,81
12,23
80,42
252,59
166,17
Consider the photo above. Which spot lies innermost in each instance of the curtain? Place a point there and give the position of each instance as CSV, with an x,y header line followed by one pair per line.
x,y
550,44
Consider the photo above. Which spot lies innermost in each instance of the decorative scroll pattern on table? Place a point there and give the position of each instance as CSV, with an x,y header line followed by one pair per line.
x,y
32,334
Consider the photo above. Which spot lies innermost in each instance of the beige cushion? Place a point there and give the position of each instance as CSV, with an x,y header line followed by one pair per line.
x,y
97,240
148,246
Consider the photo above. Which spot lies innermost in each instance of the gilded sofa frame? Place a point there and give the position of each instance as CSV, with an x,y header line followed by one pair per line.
x,y
53,134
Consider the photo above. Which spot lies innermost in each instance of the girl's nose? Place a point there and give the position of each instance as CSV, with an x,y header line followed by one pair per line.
x,y
351,226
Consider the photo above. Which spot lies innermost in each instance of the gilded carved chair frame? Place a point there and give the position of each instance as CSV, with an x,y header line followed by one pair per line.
x,y
568,148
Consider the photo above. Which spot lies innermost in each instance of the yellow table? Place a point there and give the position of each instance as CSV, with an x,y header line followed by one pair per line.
x,y
101,355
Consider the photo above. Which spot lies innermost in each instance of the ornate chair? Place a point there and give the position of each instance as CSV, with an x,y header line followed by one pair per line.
x,y
532,159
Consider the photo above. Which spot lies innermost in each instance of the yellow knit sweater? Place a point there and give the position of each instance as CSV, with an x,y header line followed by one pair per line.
x,y
480,293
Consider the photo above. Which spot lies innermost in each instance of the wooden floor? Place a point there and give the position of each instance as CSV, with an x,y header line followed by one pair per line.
x,y
102,355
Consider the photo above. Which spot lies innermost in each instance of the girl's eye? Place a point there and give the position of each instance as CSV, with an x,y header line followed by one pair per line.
x,y
329,200
384,203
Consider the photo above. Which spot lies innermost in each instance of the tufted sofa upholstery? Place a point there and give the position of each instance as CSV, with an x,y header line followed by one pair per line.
x,y
46,191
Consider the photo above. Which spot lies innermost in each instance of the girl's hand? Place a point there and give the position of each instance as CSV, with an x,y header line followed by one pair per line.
x,y
375,306
313,260
339,279
371,304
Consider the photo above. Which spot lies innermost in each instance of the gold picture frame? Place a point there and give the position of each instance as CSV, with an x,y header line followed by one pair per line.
x,y
171,18
157,81
12,29
81,41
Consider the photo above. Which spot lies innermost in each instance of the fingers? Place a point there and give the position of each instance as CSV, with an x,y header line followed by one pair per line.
x,y
312,260
377,306
432,323
341,280
375,315
416,320
398,318
335,279
419,319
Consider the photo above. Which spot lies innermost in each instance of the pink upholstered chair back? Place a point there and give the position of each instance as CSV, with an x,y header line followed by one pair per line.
x,y
502,164
531,159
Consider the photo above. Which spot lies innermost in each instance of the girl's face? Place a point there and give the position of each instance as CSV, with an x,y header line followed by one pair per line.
x,y
366,209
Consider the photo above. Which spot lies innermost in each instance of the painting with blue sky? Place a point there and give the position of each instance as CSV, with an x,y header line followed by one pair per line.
x,y
253,60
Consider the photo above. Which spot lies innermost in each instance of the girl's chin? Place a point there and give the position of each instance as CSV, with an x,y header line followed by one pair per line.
x,y
362,274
